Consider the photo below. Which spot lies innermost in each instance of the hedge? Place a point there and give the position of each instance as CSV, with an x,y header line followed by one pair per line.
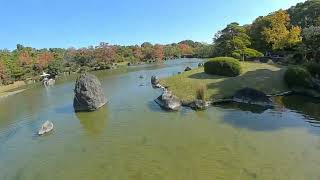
x,y
223,66
298,77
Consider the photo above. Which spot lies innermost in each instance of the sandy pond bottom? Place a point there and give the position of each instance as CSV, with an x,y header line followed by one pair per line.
x,y
132,138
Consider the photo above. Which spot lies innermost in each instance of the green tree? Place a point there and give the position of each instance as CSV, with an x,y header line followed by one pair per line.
x,y
233,38
311,39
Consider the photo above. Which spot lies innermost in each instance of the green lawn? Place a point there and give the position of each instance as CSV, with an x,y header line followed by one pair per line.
x,y
264,77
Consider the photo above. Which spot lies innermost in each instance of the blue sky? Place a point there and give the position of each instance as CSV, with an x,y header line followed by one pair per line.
x,y
79,23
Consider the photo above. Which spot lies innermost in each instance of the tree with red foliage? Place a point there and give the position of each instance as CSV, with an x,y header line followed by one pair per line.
x,y
185,49
43,60
24,58
158,53
137,53
105,53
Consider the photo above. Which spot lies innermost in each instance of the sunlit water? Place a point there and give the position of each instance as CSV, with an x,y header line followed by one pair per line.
x,y
132,138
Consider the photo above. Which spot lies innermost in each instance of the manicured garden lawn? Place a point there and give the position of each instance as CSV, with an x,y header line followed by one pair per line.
x,y
264,77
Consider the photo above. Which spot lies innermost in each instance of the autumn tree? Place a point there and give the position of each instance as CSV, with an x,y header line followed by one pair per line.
x,y
43,60
137,53
104,53
279,33
158,53
185,49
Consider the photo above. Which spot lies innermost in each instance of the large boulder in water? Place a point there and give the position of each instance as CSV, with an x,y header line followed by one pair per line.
x,y
89,94
168,101
252,96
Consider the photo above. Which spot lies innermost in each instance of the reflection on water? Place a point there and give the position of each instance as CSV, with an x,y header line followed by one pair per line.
x,y
307,106
94,123
132,138
244,107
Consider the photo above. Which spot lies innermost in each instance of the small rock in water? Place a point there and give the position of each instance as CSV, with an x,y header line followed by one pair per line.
x,y
187,68
200,64
45,128
155,81
199,105
169,101
89,95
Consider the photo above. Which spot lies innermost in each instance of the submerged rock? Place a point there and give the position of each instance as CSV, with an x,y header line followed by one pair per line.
x,y
45,128
252,96
89,94
169,101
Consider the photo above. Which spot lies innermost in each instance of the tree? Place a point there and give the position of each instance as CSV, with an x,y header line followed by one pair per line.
x,y
137,53
278,34
24,58
43,60
311,39
55,67
4,74
233,37
305,14
255,32
146,44
158,53
105,53
185,49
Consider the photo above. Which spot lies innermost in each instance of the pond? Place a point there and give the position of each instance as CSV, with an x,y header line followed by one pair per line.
x,y
132,138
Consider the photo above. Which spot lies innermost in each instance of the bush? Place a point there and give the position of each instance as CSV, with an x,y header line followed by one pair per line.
x,y
298,77
236,55
313,68
224,66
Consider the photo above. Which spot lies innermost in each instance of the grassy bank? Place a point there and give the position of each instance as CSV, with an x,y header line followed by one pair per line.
x,y
265,77
7,90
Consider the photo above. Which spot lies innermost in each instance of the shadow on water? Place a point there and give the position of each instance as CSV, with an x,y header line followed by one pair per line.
x,y
95,122
290,112
244,107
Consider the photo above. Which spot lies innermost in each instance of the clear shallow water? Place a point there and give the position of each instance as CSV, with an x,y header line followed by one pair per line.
x,y
132,138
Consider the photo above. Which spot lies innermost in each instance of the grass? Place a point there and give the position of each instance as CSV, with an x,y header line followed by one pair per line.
x,y
264,77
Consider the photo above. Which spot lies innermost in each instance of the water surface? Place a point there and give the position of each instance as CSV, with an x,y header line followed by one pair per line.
x,y
132,138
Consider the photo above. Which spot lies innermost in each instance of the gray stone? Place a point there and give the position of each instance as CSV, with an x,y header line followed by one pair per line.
x,y
155,81
252,96
187,68
199,105
89,95
200,64
168,101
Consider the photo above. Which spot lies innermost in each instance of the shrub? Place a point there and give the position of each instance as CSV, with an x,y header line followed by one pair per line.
x,y
236,55
313,68
298,77
224,66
